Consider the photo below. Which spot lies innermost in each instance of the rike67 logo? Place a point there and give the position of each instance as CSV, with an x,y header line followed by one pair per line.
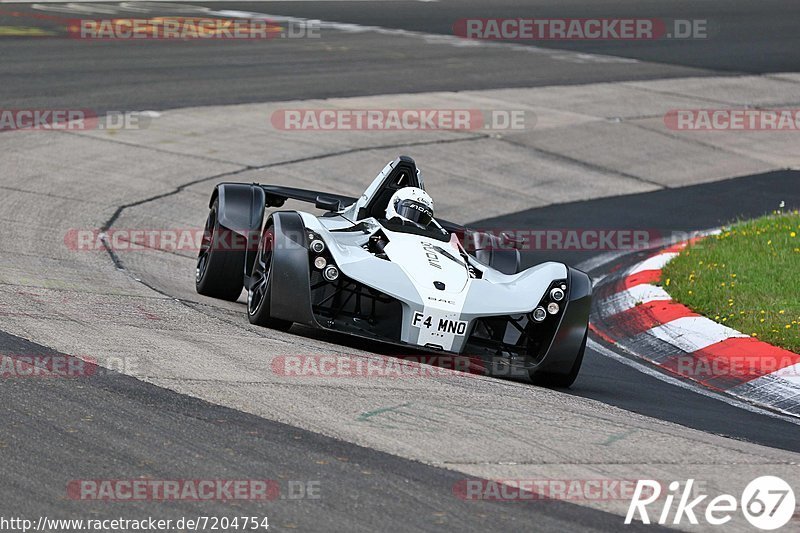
x,y
767,502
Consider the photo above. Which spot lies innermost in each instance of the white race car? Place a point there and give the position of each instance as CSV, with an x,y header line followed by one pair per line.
x,y
383,267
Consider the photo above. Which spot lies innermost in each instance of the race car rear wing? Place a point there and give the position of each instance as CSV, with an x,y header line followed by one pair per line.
x,y
276,195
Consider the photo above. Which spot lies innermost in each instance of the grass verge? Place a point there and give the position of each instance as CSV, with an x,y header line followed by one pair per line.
x,y
747,278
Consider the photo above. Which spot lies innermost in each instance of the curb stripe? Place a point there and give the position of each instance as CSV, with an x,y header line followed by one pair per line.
x,y
600,333
782,393
675,248
650,315
693,333
656,262
641,317
638,294
728,363
644,276
654,349
790,373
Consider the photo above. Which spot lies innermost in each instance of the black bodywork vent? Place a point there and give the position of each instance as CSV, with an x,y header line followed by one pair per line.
x,y
348,306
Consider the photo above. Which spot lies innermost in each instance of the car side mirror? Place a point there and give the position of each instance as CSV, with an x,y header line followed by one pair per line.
x,y
328,204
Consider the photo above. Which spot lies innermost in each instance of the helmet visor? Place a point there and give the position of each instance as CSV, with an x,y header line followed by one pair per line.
x,y
414,211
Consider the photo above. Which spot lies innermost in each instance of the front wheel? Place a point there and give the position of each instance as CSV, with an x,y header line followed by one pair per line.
x,y
259,292
550,379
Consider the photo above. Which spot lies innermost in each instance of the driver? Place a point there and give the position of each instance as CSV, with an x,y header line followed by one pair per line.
x,y
411,204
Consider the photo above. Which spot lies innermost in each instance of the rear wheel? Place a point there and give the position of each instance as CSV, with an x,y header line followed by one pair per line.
x,y
220,266
258,294
551,379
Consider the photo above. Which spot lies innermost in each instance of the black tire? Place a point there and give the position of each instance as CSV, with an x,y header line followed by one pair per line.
x,y
561,381
220,266
258,294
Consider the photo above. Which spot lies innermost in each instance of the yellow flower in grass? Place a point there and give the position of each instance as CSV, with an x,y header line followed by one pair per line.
x,y
793,234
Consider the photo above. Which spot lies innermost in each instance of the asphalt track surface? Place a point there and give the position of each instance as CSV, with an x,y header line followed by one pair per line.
x,y
56,72
117,421
743,36
114,423
114,426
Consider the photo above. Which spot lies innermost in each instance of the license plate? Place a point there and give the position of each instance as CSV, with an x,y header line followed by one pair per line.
x,y
440,325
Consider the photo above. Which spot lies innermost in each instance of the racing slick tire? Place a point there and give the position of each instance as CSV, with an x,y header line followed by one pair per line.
x,y
220,271
551,379
260,290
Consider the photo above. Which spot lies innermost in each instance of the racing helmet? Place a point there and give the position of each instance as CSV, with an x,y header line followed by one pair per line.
x,y
411,204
